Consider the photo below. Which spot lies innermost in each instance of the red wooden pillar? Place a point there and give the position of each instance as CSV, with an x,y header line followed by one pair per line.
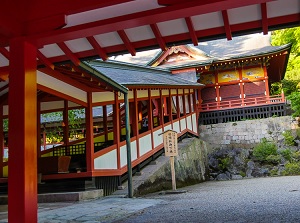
x,y
105,124
89,133
178,109
150,117
1,141
190,107
135,123
22,182
195,110
266,82
242,86
161,109
217,87
170,108
184,107
38,125
66,122
116,124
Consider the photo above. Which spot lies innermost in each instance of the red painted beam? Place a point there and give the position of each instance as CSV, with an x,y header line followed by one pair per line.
x,y
69,53
158,37
190,26
264,18
226,25
45,60
42,9
127,42
4,52
56,74
22,182
46,24
175,2
101,52
139,19
209,33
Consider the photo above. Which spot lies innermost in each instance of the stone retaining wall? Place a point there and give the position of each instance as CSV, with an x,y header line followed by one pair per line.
x,y
246,134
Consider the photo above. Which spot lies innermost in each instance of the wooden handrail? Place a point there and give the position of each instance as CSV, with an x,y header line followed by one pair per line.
x,y
245,102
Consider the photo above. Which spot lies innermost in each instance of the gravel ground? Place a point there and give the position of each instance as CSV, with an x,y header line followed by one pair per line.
x,y
274,199
249,200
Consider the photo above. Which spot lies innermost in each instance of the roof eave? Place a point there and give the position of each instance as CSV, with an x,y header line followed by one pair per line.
x,y
119,87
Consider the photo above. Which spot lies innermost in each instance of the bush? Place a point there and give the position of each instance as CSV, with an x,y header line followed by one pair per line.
x,y
264,149
287,154
296,156
224,163
273,159
295,103
288,138
292,169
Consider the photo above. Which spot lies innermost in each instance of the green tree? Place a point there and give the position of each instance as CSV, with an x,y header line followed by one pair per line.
x,y
295,103
285,36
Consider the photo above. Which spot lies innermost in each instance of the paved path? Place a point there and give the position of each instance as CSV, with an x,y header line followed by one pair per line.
x,y
250,200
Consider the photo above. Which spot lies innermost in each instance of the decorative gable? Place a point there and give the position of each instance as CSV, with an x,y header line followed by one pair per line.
x,y
177,54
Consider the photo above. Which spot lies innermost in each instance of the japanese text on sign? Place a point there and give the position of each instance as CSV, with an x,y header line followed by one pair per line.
x,y
170,143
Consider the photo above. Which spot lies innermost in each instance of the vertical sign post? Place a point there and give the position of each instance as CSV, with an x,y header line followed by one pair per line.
x,y
171,150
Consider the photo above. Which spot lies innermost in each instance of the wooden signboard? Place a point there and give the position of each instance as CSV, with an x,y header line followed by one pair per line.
x,y
170,143
171,150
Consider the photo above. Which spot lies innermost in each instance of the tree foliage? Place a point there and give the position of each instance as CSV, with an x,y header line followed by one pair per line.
x,y
295,103
285,36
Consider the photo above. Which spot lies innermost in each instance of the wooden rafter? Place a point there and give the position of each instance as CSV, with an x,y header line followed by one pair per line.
x,y
4,52
226,25
264,18
127,42
101,52
4,71
45,60
158,37
192,32
94,83
69,53
56,74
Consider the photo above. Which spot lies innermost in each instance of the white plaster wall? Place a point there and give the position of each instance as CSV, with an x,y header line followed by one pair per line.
x,y
158,139
145,144
176,126
189,122
60,86
106,161
183,124
123,152
194,119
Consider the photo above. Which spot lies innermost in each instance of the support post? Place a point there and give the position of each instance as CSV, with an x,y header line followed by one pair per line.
x,y
172,162
38,125
150,117
1,141
170,108
135,122
161,109
22,182
66,122
128,146
89,133
117,130
105,124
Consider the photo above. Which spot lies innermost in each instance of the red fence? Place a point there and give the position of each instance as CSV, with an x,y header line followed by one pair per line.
x,y
245,102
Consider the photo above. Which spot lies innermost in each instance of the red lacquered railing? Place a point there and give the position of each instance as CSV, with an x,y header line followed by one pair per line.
x,y
245,102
